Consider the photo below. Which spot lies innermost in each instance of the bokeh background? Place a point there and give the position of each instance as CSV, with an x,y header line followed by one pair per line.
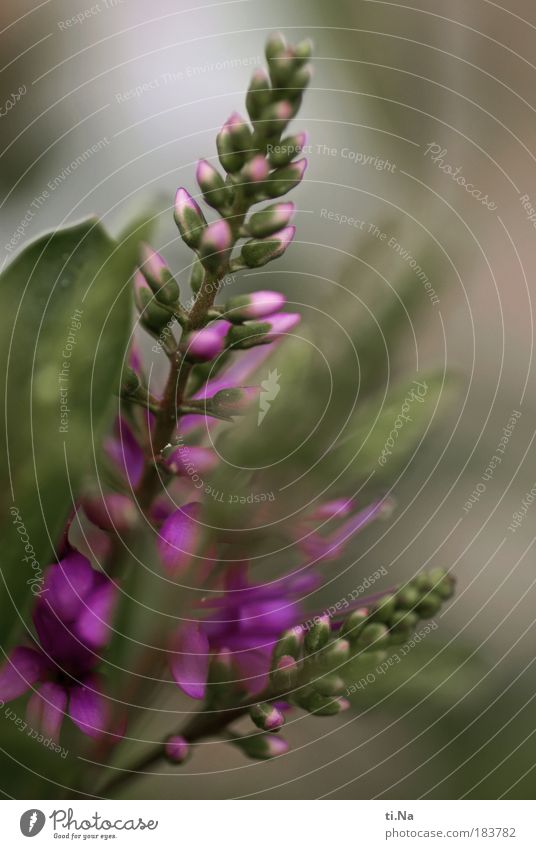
x,y
146,87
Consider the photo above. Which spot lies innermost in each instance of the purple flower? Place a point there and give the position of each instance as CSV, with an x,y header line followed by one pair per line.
x,y
72,620
208,343
178,539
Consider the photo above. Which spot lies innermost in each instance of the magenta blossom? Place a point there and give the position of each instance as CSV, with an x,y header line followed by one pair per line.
x,y
72,620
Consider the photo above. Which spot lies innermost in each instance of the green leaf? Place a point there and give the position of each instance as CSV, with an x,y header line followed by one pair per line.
x,y
65,309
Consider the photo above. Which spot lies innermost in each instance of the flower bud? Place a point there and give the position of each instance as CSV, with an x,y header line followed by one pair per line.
x,y
258,252
261,746
196,276
276,46
255,170
253,333
374,636
267,717
289,644
276,117
152,317
259,94
271,219
336,653
303,50
111,512
234,401
320,705
189,460
382,609
216,242
177,749
353,625
284,152
234,142
329,685
284,676
257,305
179,539
407,597
300,78
202,346
189,218
158,276
429,605
283,180
318,635
215,192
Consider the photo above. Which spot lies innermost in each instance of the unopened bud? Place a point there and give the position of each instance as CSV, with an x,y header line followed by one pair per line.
x,y
204,345
258,252
276,46
336,653
259,94
158,276
234,142
284,152
270,220
284,676
111,512
255,170
373,636
189,218
283,180
215,192
353,625
383,609
152,317
234,401
253,333
267,717
254,306
215,244
177,749
429,605
289,643
318,635
196,277
329,685
261,747
276,117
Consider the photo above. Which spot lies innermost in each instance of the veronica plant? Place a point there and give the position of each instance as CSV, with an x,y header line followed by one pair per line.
x,y
246,647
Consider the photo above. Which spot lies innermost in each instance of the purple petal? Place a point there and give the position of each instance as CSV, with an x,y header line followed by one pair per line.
x,y
179,538
253,667
125,453
66,585
93,623
23,668
190,660
88,709
46,709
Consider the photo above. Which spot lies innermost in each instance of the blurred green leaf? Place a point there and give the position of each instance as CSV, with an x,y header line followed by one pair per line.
x,y
65,315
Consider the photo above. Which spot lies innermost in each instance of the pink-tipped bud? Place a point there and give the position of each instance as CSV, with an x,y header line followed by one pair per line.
x,y
282,323
271,219
111,512
257,252
179,539
191,460
284,179
261,746
215,192
188,218
177,749
254,306
206,344
157,274
216,242
256,170
233,401
267,717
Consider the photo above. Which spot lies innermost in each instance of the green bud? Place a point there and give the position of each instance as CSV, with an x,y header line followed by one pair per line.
x,y
329,685
152,317
374,635
283,180
259,94
276,46
285,674
215,192
318,635
158,275
289,643
283,153
248,335
270,220
383,609
407,597
197,276
336,653
403,620
429,605
353,625
258,252
322,705
303,50
261,747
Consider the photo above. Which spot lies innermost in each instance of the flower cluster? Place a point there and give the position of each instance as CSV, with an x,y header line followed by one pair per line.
x,y
242,648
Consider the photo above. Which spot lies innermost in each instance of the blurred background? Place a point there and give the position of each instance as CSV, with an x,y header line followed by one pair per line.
x,y
400,270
